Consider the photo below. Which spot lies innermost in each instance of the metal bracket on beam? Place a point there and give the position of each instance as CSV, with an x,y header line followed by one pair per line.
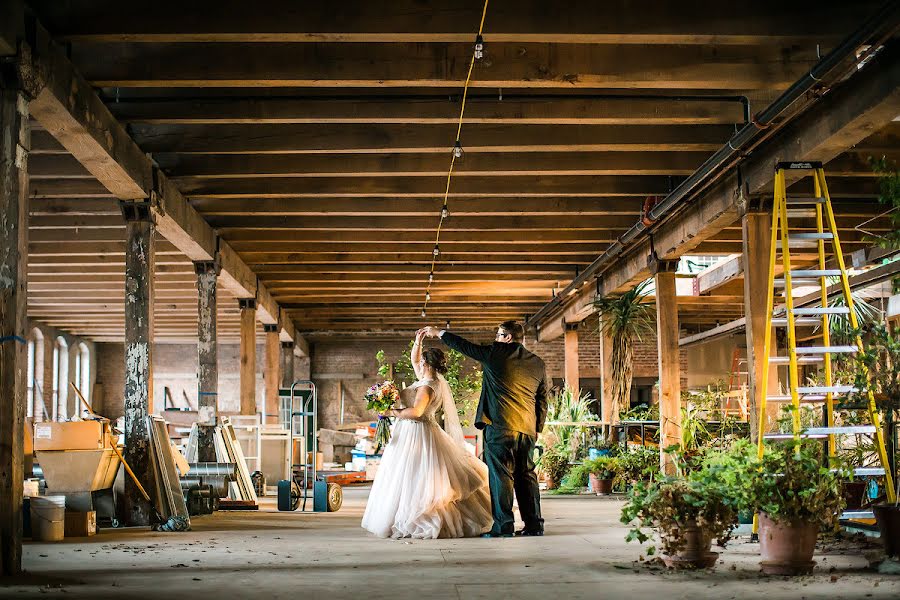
x,y
249,303
135,211
657,265
208,266
270,328
572,326
287,345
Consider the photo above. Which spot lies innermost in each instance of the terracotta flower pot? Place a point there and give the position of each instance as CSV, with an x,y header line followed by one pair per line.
x,y
787,548
601,487
695,554
552,483
888,518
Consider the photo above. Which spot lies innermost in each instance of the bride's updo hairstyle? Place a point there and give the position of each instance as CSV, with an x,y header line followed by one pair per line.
x,y
436,359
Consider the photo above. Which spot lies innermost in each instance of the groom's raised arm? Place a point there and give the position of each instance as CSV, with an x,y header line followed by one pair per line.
x,y
461,344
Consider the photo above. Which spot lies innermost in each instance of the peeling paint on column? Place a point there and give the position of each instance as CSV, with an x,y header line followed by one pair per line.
x,y
207,346
138,391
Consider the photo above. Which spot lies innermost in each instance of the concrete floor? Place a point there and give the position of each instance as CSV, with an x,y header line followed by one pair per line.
x,y
280,555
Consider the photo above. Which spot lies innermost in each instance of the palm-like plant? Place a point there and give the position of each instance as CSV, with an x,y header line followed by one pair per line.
x,y
566,407
625,318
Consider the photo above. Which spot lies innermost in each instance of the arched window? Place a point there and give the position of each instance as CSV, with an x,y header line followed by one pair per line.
x,y
35,399
82,377
60,377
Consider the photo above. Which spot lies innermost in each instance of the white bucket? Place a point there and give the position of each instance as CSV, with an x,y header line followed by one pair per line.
x,y
48,518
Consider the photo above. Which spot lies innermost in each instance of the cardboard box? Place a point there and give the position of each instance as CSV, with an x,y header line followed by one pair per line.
x,y
81,524
74,435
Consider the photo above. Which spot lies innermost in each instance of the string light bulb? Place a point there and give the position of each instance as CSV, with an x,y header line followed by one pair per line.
x,y
445,212
458,150
423,313
431,277
427,296
437,250
479,47
447,326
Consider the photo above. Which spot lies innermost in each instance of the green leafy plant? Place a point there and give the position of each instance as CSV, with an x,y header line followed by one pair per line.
x,y
604,467
463,378
624,319
672,504
564,406
641,412
575,480
790,483
553,465
638,463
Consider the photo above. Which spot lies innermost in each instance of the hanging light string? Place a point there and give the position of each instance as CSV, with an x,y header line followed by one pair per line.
x,y
477,54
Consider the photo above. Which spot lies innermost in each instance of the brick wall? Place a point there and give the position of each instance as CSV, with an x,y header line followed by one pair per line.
x,y
175,367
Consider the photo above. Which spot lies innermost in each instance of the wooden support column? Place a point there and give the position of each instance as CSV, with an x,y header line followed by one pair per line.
x,y
571,357
606,401
669,363
757,229
14,145
273,375
139,271
248,355
287,364
207,359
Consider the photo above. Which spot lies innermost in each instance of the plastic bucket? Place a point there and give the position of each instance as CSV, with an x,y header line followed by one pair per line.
x,y
48,518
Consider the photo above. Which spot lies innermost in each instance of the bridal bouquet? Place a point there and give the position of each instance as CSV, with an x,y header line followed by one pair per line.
x,y
381,397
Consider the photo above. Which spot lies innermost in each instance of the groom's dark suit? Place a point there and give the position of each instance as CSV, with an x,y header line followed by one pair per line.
x,y
511,412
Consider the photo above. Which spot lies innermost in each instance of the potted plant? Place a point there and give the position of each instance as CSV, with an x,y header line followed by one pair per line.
x,y
638,463
601,473
553,465
624,318
688,513
795,495
878,369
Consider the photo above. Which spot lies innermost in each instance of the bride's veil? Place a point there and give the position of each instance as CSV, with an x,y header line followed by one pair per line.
x,y
451,416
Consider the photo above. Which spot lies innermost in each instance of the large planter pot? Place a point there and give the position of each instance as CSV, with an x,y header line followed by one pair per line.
x,y
787,548
888,518
696,553
601,487
853,492
552,483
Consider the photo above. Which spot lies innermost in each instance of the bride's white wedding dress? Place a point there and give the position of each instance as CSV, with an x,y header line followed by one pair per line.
x,y
428,484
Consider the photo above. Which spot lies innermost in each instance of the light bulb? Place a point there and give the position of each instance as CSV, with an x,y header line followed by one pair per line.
x,y
423,313
457,150
447,326
479,47
445,212
436,251
427,296
431,278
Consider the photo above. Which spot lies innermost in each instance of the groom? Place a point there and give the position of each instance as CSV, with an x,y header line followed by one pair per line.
x,y
511,412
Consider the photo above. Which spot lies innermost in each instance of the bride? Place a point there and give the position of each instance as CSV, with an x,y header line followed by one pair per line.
x,y
428,484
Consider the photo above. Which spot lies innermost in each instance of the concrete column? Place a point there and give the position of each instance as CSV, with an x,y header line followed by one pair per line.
x,y
207,346
139,270
287,364
248,356
14,146
669,363
571,357
273,372
757,230
207,359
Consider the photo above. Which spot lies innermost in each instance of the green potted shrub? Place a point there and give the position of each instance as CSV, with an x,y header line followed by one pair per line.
x,y
601,473
638,463
688,513
878,369
795,495
553,465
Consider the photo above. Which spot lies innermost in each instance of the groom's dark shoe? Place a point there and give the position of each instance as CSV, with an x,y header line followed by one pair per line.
x,y
491,534
529,532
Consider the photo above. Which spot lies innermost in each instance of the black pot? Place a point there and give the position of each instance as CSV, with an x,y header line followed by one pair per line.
x,y
888,518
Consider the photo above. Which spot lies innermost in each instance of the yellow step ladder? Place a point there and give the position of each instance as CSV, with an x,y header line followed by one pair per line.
x,y
790,317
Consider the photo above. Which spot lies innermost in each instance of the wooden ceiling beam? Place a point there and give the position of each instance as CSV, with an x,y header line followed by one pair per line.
x,y
409,225
406,65
245,166
376,139
582,21
439,110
